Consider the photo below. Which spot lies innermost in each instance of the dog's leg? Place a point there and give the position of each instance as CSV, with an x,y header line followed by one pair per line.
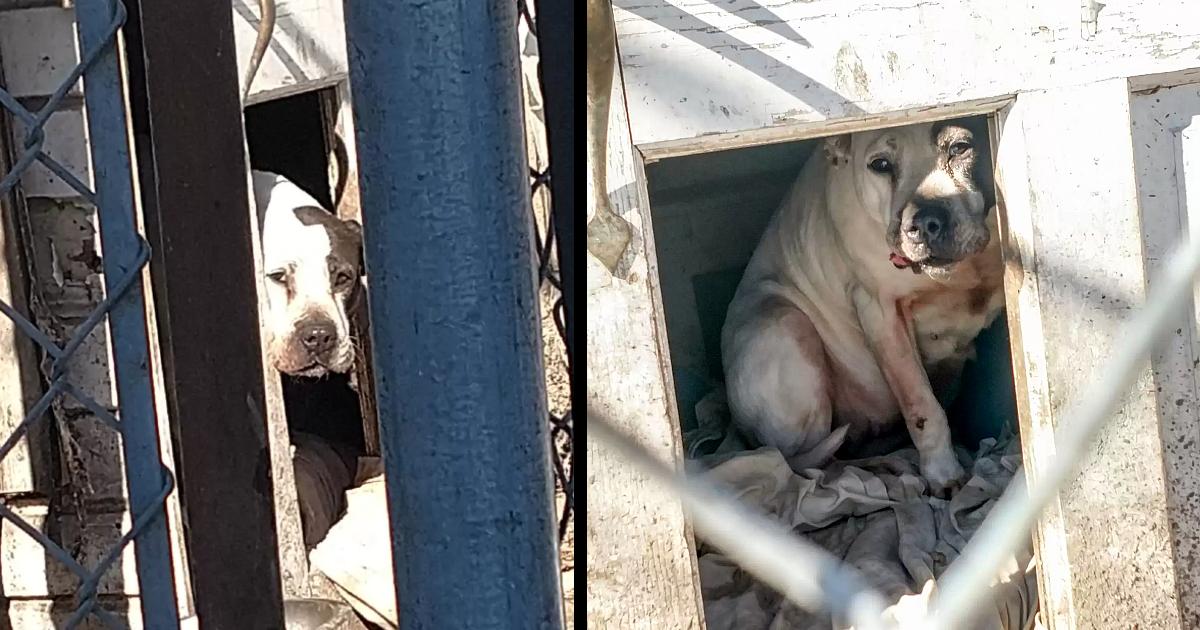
x,y
777,380
889,331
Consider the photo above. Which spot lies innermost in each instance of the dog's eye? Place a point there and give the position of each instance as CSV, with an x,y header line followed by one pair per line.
x,y
342,279
881,165
278,276
959,148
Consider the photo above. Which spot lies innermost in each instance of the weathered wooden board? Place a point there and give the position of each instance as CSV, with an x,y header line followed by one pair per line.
x,y
40,50
697,67
1166,134
27,468
53,613
307,51
1076,271
641,565
28,572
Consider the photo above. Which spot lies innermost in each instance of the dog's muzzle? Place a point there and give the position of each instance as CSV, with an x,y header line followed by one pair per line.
x,y
311,348
931,238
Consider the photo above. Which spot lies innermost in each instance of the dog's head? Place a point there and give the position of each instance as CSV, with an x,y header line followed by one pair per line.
x,y
918,183
313,262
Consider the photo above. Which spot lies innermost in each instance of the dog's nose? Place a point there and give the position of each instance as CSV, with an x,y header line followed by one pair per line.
x,y
317,338
928,223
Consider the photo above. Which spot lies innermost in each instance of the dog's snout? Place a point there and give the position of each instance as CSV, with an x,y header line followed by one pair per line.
x,y
318,338
929,223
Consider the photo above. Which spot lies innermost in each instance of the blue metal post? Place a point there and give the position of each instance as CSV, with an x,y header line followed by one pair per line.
x,y
454,311
123,253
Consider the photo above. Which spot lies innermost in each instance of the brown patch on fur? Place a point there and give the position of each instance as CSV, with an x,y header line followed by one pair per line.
x,y
920,424
970,288
978,298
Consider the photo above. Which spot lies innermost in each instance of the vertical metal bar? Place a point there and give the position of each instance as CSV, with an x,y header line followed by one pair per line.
x,y
454,312
109,145
187,116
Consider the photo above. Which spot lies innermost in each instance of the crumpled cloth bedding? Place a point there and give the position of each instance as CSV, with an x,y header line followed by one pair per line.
x,y
876,515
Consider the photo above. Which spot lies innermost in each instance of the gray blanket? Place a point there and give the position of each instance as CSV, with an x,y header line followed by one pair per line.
x,y
876,515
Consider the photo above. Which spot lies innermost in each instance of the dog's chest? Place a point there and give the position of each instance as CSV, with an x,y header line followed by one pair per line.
x,y
946,322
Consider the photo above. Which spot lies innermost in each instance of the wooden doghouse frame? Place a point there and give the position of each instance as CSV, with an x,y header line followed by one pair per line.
x,y
1092,186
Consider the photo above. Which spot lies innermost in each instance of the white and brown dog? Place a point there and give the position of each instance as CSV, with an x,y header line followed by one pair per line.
x,y
313,262
865,296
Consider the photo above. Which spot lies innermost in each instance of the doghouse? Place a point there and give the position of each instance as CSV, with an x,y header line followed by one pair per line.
x,y
1088,113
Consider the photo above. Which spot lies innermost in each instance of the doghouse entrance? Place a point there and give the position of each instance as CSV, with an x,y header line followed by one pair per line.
x,y
292,136
709,211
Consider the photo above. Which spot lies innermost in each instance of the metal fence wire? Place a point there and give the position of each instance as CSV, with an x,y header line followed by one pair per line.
x,y
125,254
561,424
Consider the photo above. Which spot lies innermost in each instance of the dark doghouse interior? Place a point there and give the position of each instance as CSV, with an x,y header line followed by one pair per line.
x,y
289,136
709,211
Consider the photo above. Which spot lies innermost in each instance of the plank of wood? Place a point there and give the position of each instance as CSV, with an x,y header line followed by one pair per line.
x,y
202,230
641,572
1074,244
27,467
349,207
694,67
1167,149
53,613
655,151
307,49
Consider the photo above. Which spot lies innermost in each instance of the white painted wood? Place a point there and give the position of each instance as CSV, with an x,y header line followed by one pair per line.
x,y
37,614
28,572
307,51
697,67
641,569
38,50
66,141
26,468
655,151
1166,133
1066,171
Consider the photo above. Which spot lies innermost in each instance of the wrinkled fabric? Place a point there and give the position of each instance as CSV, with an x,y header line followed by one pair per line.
x,y
875,515
322,476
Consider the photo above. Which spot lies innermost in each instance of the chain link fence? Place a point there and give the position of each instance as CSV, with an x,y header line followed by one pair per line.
x,y
125,254
561,423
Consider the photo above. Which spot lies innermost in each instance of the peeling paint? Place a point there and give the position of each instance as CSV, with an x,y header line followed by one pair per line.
x,y
851,76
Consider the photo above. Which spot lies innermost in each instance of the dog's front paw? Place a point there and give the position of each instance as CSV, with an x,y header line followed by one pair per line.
x,y
943,472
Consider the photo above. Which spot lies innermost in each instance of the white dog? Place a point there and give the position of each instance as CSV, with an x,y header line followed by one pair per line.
x,y
865,296
313,261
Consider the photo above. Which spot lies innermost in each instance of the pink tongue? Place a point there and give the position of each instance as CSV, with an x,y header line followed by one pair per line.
x,y
899,261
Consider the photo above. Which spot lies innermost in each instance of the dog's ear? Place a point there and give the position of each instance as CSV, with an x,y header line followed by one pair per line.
x,y
837,149
354,229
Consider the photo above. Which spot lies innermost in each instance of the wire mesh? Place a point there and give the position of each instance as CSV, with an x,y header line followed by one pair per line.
x,y
561,424
125,255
